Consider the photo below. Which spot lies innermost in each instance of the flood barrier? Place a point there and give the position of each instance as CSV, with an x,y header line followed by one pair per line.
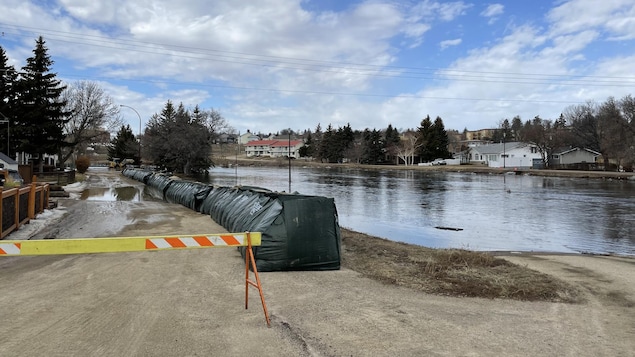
x,y
299,232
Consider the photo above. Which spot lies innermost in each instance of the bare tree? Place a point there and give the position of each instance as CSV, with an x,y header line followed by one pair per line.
x,y
92,115
217,124
407,148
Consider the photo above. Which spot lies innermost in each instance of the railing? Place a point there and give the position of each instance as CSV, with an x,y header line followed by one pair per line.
x,y
21,204
59,177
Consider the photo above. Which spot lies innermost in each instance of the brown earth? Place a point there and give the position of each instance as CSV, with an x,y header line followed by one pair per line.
x,y
381,303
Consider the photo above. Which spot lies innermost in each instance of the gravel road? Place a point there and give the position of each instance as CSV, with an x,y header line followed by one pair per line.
x,y
191,303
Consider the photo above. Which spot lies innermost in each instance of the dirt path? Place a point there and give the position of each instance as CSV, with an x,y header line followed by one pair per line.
x,y
191,303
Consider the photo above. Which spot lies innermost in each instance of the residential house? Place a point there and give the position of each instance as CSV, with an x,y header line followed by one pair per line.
x,y
574,157
273,148
287,148
7,162
507,155
247,137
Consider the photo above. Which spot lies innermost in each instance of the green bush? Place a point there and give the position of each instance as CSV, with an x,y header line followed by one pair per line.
x,y
82,163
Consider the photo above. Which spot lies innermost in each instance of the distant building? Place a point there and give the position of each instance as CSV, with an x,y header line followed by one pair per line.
x,y
482,134
247,137
573,157
511,154
274,148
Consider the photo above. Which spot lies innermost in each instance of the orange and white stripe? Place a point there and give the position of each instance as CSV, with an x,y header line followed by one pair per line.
x,y
126,244
196,241
10,248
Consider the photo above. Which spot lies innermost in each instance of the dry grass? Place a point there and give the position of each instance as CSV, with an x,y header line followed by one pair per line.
x,y
451,272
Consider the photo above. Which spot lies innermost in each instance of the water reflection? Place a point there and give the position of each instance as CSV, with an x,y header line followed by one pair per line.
x,y
129,193
496,212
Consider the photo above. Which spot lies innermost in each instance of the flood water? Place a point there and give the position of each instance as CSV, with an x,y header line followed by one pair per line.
x,y
124,193
489,212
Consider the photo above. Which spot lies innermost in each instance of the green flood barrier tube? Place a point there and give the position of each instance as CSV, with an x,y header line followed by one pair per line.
x,y
299,232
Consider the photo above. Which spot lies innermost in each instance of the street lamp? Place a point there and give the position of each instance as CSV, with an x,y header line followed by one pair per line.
x,y
127,106
6,120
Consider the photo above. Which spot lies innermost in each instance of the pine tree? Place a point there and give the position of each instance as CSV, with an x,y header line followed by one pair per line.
x,y
439,143
40,122
424,139
8,80
123,145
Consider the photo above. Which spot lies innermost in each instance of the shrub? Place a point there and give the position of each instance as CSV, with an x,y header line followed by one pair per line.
x,y
82,163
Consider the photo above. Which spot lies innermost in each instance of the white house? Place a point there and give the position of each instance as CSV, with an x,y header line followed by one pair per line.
x,y
284,148
508,155
273,148
7,162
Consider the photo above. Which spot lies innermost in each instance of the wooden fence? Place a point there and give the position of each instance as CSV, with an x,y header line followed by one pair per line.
x,y
21,204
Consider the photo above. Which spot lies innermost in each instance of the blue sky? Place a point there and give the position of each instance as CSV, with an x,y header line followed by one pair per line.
x,y
274,64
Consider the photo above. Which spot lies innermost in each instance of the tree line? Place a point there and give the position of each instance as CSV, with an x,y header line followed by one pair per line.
x,y
45,116
372,146
607,128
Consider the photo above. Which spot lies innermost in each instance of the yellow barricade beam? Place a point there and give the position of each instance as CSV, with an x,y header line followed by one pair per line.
x,y
125,244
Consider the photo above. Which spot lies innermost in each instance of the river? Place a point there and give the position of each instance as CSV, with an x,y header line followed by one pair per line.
x,y
484,212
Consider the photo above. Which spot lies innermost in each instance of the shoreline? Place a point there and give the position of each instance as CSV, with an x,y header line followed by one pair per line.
x,y
478,169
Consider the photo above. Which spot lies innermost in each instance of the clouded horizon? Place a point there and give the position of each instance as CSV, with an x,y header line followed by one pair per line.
x,y
275,64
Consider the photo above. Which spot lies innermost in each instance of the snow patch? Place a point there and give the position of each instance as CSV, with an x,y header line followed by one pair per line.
x,y
41,221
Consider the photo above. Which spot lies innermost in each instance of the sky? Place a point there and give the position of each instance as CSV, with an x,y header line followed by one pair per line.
x,y
268,65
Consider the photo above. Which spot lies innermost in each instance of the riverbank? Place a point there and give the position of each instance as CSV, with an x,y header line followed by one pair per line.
x,y
108,305
480,169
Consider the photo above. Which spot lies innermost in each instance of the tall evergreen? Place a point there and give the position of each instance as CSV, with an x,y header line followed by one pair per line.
x,y
41,116
440,140
424,138
123,145
8,80
373,147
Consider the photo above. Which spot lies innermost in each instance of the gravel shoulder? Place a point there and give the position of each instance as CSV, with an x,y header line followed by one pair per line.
x,y
189,303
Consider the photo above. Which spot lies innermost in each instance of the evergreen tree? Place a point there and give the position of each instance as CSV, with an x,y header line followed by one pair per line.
x,y
307,149
392,139
180,141
344,140
124,145
40,127
439,141
8,80
327,150
424,139
316,147
373,147
392,136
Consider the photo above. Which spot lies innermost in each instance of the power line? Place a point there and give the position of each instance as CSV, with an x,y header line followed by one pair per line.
x,y
335,67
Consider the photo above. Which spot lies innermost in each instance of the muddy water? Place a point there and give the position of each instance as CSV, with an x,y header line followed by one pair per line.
x,y
489,212
134,194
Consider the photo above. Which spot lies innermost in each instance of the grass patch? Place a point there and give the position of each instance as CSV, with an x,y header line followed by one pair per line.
x,y
451,272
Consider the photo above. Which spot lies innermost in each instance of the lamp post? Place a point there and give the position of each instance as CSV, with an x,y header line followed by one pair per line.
x,y
127,106
6,120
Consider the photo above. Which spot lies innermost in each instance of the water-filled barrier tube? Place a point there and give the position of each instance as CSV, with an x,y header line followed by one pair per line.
x,y
299,232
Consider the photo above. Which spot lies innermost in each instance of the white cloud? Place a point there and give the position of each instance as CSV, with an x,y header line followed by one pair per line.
x,y
617,17
493,11
281,63
447,43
